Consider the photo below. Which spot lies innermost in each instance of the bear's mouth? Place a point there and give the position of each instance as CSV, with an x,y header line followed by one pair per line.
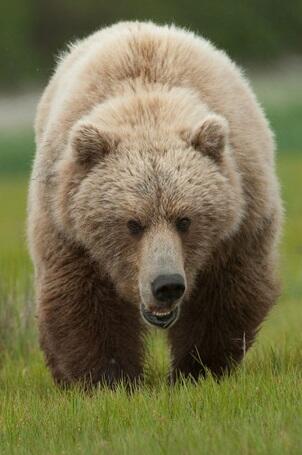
x,y
161,320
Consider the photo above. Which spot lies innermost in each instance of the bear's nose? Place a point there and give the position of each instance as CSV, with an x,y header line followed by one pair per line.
x,y
168,288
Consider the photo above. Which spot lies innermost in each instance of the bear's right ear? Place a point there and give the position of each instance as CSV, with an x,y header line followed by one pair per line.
x,y
89,144
211,137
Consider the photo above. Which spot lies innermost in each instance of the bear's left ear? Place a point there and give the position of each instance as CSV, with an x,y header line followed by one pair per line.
x,y
211,136
89,144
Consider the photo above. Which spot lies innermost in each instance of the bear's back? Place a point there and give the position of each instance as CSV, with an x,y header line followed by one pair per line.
x,y
130,56
110,61
96,68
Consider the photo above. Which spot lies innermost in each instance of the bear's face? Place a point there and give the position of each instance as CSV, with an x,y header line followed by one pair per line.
x,y
152,214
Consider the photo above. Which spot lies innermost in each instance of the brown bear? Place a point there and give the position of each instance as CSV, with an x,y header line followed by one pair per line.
x,y
153,199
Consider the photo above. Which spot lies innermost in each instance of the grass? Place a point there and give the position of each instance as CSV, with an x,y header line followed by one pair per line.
x,y
258,410
16,152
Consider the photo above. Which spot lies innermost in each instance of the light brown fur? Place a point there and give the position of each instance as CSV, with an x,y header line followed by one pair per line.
x,y
151,123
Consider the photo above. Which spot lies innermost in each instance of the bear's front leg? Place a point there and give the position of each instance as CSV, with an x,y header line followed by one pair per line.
x,y
219,323
206,344
87,333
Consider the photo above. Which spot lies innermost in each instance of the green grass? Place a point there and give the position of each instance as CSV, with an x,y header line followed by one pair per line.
x,y
280,93
258,410
16,152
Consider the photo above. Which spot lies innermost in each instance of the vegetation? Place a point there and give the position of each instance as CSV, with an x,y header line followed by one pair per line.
x,y
32,32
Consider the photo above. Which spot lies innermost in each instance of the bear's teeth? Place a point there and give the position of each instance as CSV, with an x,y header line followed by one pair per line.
x,y
161,314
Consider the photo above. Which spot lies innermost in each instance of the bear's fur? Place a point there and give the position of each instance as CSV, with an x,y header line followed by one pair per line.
x,y
154,125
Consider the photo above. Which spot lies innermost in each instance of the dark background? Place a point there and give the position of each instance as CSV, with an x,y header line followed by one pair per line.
x,y
254,32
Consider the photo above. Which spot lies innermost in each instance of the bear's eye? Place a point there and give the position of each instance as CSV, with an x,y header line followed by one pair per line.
x,y
135,227
183,224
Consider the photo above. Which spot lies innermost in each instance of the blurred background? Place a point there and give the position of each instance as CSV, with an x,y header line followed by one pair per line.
x,y
263,36
253,32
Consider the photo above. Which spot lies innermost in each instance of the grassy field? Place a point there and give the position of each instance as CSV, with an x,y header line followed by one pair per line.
x,y
258,410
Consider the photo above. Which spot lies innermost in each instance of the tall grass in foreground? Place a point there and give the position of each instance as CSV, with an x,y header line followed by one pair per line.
x,y
258,410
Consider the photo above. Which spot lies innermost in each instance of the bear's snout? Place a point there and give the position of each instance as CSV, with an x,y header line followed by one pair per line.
x,y
167,291
162,279
168,288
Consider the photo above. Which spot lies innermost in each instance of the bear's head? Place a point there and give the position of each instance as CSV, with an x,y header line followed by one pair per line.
x,y
150,200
